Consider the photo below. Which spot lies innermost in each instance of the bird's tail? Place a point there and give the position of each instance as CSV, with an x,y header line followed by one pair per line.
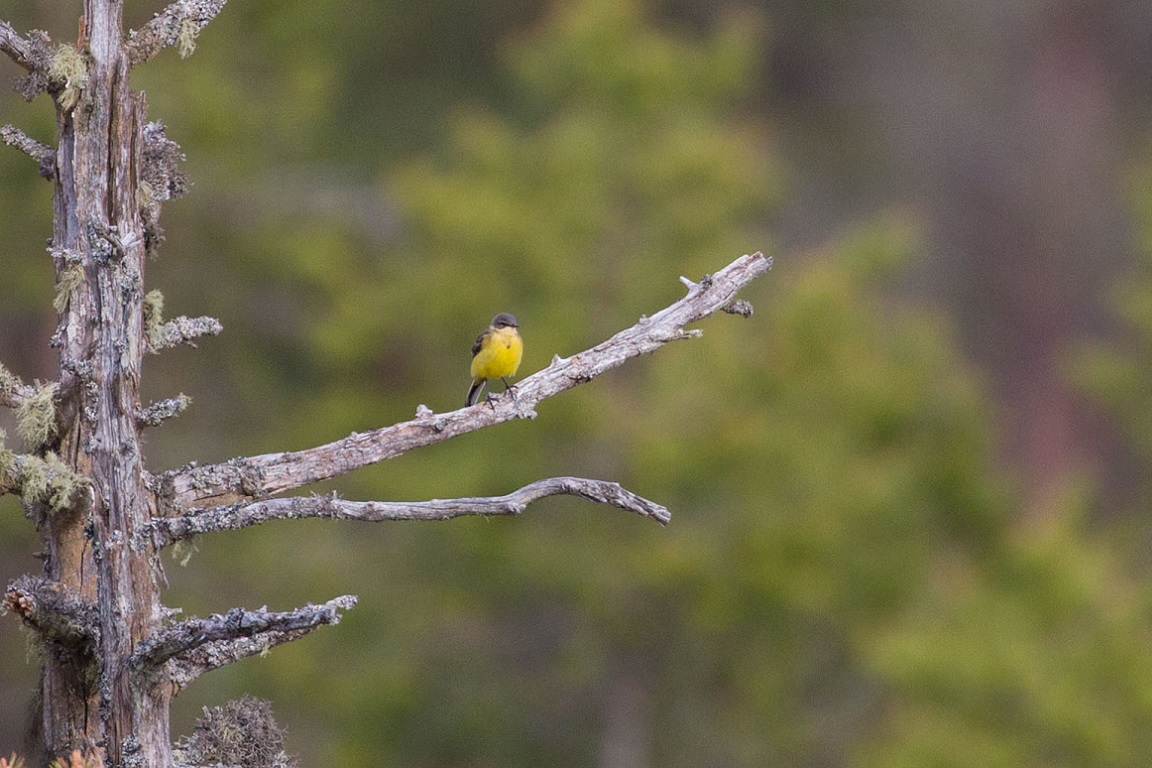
x,y
474,391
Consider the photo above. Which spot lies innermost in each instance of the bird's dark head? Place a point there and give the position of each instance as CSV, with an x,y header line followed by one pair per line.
x,y
504,320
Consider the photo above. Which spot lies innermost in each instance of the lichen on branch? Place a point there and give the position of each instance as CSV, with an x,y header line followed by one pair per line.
x,y
178,24
36,415
67,75
161,334
159,412
46,480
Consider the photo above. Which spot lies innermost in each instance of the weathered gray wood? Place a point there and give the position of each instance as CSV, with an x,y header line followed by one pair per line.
x,y
167,530
16,47
38,151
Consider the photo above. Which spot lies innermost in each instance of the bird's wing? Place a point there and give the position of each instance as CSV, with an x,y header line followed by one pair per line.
x,y
476,345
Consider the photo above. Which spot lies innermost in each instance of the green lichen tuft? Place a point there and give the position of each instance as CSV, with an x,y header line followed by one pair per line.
x,y
68,69
70,280
7,457
153,316
145,197
64,485
36,415
48,481
183,550
187,38
8,380
33,480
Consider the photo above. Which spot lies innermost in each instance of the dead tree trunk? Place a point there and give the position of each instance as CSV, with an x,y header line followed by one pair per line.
x,y
113,656
89,696
105,209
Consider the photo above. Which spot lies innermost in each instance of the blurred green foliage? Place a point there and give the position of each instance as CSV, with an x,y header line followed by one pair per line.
x,y
846,580
1116,373
1039,656
1041,660
818,458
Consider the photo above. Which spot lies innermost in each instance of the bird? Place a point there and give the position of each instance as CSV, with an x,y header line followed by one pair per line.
x,y
495,355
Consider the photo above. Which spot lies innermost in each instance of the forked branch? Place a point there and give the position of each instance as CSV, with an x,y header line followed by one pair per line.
x,y
167,530
258,477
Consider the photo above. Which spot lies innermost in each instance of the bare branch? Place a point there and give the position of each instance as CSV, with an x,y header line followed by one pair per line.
x,y
230,634
182,330
258,477
167,530
180,22
41,153
17,48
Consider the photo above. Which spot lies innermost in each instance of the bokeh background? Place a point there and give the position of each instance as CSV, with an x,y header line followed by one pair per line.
x,y
909,495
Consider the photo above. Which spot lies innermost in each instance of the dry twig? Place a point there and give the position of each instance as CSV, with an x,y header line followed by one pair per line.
x,y
167,530
17,48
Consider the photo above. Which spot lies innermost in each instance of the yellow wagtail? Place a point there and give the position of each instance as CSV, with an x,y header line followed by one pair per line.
x,y
495,355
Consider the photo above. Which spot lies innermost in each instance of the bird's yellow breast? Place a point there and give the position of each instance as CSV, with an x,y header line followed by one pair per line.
x,y
499,355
